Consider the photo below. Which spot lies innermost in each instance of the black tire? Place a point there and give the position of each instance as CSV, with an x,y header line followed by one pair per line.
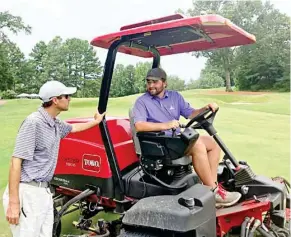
x,y
125,233
59,226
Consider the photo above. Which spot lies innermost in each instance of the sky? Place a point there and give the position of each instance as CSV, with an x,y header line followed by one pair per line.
x,y
90,18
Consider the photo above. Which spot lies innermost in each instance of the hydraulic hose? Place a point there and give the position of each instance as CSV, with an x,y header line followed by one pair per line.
x,y
243,227
162,183
77,198
248,226
255,226
283,180
263,232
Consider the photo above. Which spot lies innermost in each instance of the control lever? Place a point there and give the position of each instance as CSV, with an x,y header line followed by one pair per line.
x,y
174,132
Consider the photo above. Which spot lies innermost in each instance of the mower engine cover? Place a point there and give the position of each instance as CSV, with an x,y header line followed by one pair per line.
x,y
193,209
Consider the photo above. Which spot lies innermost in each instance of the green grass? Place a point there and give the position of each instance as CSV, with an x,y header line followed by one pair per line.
x,y
256,128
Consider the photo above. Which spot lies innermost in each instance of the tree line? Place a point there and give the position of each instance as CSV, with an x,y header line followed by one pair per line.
x,y
72,61
264,65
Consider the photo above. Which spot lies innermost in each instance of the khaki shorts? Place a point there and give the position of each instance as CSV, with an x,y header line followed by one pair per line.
x,y
36,211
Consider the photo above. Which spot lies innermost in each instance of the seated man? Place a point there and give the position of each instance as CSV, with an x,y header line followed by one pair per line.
x,y
160,109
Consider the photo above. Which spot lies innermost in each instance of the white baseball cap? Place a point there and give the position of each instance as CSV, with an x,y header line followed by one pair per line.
x,y
54,88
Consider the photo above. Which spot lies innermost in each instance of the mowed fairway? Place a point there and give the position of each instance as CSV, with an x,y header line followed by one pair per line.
x,y
254,126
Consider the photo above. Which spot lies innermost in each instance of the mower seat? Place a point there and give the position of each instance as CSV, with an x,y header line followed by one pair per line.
x,y
157,146
133,131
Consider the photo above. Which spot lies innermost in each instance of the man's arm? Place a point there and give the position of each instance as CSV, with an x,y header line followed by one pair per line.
x,y
24,150
197,111
12,214
212,106
152,127
78,127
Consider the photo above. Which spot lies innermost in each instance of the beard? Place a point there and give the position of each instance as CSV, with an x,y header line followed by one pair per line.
x,y
155,91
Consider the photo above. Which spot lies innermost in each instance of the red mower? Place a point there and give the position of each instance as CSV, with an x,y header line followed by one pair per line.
x,y
112,168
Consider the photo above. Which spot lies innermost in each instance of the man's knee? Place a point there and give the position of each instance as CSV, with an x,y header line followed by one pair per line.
x,y
209,143
197,147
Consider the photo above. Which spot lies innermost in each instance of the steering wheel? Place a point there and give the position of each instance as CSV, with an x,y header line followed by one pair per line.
x,y
206,116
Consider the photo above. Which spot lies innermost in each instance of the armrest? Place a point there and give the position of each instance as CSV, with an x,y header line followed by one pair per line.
x,y
151,134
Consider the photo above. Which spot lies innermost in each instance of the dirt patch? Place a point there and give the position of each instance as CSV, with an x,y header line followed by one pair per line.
x,y
236,93
2,102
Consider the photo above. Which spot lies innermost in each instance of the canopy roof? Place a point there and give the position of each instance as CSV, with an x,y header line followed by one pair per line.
x,y
175,34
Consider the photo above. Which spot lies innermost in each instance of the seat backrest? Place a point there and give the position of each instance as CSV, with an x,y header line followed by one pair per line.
x,y
133,131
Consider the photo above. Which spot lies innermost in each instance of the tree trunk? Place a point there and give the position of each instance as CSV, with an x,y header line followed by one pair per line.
x,y
225,58
227,81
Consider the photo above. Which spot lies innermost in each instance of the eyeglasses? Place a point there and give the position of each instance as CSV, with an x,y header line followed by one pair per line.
x,y
66,96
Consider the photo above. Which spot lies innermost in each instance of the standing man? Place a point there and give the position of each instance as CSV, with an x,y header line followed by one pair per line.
x,y
160,109
27,199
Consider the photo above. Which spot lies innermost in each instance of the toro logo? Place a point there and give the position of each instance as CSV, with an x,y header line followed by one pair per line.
x,y
91,163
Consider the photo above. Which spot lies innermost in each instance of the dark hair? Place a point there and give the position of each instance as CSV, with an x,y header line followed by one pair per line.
x,y
47,104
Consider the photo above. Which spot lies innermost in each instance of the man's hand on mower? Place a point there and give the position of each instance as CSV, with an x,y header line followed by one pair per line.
x,y
174,124
79,127
212,106
13,212
98,117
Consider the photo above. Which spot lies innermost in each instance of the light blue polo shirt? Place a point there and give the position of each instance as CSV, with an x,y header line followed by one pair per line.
x,y
148,108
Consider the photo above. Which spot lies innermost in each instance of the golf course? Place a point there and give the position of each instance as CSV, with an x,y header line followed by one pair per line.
x,y
254,126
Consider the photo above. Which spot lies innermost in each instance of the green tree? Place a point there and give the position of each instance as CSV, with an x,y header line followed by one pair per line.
x,y
37,56
10,63
6,78
29,82
123,81
141,69
81,62
12,24
36,65
208,79
16,62
91,88
53,60
175,83
265,65
257,66
242,13
73,62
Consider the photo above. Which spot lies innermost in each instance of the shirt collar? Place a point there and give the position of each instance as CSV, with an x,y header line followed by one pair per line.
x,y
51,121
